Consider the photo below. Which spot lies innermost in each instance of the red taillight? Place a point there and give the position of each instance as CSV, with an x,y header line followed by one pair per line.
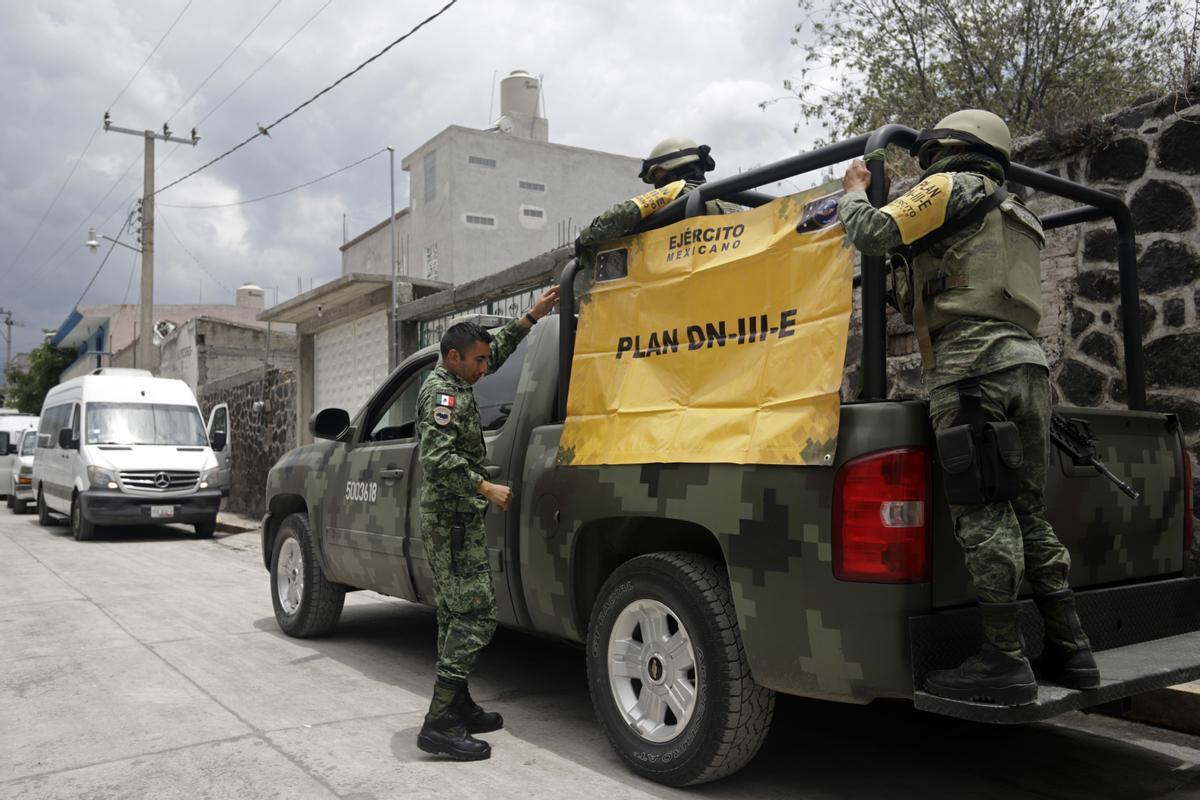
x,y
1189,521
881,518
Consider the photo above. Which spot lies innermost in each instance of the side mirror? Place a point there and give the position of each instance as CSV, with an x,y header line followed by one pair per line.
x,y
329,423
219,441
4,446
66,440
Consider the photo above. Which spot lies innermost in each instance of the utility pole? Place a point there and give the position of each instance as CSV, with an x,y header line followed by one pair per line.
x,y
145,342
8,326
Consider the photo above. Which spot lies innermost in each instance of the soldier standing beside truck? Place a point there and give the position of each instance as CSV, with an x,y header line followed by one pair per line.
x,y
454,497
966,274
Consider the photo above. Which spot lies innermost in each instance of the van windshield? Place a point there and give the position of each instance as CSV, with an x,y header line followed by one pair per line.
x,y
144,423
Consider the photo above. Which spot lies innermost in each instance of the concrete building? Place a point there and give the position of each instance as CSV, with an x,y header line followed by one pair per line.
x,y
106,334
205,350
480,202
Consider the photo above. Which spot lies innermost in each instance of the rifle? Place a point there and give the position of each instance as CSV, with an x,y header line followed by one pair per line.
x,y
1074,438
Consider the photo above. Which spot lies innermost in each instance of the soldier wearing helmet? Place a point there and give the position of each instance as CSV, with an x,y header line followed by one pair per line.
x,y
675,167
966,275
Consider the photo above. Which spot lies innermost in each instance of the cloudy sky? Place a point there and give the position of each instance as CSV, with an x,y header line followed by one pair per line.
x,y
618,75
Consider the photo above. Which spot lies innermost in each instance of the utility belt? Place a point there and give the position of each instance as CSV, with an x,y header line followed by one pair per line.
x,y
981,458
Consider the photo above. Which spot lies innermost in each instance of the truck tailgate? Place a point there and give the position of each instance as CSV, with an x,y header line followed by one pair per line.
x,y
1112,538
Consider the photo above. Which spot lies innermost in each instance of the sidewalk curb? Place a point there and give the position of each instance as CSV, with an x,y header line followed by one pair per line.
x,y
1176,708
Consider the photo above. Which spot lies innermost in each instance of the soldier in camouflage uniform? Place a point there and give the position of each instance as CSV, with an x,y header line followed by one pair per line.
x,y
675,167
970,283
454,497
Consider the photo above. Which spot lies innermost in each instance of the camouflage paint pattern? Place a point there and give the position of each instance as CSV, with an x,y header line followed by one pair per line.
x,y
805,632
1005,542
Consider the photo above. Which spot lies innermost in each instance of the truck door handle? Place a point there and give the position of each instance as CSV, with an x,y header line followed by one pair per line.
x,y
391,474
493,470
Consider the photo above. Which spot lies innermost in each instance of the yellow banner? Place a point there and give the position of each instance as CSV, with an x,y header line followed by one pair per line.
x,y
716,339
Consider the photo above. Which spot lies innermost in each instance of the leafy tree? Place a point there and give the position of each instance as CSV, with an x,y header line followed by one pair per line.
x,y
27,387
1039,64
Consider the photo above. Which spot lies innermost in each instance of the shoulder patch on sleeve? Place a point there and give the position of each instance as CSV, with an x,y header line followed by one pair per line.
x,y
447,400
655,199
922,209
441,415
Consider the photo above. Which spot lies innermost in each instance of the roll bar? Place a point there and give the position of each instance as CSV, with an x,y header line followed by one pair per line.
x,y
740,189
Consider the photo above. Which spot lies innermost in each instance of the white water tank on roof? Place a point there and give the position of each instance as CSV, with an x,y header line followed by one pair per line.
x,y
519,93
249,296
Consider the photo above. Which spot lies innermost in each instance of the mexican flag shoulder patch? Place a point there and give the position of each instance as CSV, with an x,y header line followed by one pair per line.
x,y
446,400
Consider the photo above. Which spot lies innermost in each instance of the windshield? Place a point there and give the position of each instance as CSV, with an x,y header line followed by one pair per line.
x,y
144,423
28,442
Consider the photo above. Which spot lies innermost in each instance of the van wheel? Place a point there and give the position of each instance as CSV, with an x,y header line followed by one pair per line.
x,y
306,603
44,518
81,529
8,501
205,530
668,674
20,506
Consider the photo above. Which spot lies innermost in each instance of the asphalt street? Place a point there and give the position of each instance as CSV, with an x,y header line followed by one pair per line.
x,y
148,665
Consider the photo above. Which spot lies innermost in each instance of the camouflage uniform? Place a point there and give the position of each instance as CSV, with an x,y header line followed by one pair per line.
x,y
621,219
1001,542
452,453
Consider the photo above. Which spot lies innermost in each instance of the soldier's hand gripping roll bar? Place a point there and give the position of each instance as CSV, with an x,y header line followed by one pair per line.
x,y
1074,438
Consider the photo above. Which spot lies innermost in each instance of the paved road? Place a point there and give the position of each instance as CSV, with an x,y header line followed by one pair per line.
x,y
149,666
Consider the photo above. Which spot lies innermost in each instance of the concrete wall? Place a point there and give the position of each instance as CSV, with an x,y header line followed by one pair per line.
x,y
258,437
578,185
205,350
371,252
1149,156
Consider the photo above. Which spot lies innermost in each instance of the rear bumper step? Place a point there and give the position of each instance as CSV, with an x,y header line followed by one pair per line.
x,y
1124,672
1146,636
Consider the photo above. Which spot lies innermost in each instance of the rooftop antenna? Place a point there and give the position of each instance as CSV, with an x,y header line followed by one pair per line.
x,y
492,99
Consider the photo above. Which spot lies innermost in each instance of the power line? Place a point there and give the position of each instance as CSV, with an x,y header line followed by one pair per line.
x,y
132,269
283,192
88,146
265,129
224,60
179,241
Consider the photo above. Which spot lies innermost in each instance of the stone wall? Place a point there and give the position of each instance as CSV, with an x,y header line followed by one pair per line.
x,y
259,435
1148,155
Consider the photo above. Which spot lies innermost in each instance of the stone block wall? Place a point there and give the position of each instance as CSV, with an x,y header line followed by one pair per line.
x,y
260,434
1148,155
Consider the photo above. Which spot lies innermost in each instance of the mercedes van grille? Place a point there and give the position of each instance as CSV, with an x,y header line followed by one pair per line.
x,y
160,480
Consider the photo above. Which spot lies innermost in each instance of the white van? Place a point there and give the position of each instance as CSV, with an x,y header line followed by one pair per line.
x,y
20,489
11,425
121,447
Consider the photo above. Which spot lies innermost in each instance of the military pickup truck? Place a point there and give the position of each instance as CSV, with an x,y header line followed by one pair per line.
x,y
699,591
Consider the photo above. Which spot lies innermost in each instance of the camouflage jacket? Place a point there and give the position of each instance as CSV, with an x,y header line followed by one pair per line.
x,y
968,347
451,436
622,218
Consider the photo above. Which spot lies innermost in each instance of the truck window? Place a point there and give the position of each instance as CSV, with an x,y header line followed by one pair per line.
x,y
144,423
397,418
494,394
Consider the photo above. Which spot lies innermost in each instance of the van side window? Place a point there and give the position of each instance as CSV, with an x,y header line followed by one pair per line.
x,y
53,420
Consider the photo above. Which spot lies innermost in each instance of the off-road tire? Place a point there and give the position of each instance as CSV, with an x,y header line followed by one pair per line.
x,y
206,529
732,713
44,518
321,600
81,529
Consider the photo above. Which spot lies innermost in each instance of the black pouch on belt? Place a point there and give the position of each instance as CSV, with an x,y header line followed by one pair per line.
x,y
458,538
960,466
1002,456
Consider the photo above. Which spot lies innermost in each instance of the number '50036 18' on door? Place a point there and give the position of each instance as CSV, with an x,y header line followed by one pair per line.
x,y
362,491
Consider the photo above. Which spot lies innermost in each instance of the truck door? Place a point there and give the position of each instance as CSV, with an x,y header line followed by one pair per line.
x,y
219,434
371,492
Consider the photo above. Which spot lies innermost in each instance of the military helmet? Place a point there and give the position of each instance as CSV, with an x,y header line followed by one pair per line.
x,y
978,130
674,152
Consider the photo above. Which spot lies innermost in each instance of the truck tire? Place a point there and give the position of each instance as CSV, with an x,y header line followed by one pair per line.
x,y
81,529
668,674
44,518
206,529
306,603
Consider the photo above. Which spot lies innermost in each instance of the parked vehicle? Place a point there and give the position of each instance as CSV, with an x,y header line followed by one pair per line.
x,y
121,447
222,445
20,493
699,590
11,425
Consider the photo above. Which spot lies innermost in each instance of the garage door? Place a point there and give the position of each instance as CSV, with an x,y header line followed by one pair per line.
x,y
349,362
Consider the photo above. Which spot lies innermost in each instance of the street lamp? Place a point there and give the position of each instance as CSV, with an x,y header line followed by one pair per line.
x,y
93,241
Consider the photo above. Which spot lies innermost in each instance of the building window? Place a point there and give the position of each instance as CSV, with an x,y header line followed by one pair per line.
x,y
480,161
532,186
480,219
431,262
533,212
532,218
430,176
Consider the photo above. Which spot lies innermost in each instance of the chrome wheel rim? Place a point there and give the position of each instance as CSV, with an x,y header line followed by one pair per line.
x,y
289,576
652,670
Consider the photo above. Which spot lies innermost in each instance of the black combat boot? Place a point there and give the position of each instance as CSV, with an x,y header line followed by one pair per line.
x,y
1000,672
474,718
1067,653
443,733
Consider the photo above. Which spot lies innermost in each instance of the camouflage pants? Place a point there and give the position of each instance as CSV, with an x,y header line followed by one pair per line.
x,y
1004,542
463,589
